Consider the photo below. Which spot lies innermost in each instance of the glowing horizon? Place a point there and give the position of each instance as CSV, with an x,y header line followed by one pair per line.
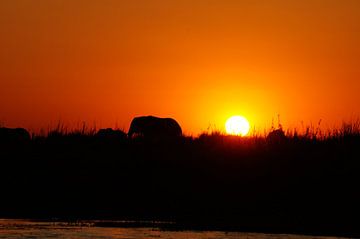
x,y
105,62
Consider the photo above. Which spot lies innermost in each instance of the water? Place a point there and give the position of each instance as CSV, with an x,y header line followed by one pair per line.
x,y
30,229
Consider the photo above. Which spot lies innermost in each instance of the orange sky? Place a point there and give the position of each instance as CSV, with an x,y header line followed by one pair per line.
x,y
200,62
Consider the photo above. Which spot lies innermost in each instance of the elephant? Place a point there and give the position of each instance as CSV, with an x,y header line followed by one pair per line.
x,y
154,127
14,135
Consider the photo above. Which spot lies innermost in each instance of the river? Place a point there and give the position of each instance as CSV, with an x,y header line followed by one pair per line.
x,y
11,228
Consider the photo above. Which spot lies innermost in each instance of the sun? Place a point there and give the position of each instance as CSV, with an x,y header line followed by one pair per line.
x,y
237,125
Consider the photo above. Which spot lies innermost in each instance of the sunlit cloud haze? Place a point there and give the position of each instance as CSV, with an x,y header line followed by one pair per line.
x,y
104,62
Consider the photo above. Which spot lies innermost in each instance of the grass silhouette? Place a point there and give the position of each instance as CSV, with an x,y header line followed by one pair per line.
x,y
306,182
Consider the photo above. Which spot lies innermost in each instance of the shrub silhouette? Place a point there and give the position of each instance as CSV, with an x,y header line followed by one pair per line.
x,y
276,136
110,134
14,135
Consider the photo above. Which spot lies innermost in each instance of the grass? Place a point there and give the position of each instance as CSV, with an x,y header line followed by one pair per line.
x,y
305,183
310,132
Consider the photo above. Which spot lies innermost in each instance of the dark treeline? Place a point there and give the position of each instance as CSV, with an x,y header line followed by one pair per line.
x,y
298,184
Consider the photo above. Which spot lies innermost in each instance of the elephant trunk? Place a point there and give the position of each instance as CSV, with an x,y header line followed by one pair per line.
x,y
130,133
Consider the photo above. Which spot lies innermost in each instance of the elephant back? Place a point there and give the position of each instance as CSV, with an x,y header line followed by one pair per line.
x,y
154,127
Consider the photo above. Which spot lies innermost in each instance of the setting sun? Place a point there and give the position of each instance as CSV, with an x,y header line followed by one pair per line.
x,y
237,125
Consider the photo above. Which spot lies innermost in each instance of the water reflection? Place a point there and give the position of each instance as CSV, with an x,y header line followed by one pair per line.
x,y
85,229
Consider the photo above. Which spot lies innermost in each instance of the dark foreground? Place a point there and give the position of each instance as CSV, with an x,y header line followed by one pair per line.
x,y
299,185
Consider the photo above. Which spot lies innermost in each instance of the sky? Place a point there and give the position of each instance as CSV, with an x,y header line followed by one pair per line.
x,y
104,62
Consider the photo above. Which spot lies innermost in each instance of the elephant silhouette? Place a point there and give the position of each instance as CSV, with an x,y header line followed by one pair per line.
x,y
14,135
154,127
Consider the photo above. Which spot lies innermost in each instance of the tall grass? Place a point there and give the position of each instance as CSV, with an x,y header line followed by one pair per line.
x,y
309,132
306,181
61,129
